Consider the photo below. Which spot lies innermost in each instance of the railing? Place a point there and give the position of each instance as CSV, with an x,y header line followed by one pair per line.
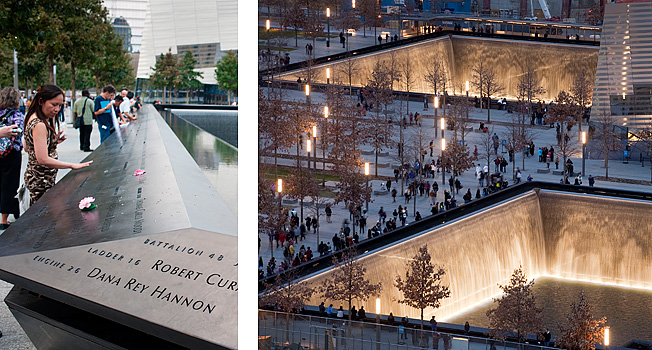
x,y
278,330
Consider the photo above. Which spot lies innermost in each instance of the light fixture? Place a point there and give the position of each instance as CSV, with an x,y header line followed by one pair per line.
x,y
279,186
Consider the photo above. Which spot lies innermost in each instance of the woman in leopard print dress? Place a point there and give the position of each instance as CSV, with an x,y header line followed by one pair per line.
x,y
41,140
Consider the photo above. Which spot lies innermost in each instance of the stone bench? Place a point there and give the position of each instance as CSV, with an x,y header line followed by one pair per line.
x,y
383,154
320,38
380,193
557,172
290,201
543,171
383,165
367,153
469,128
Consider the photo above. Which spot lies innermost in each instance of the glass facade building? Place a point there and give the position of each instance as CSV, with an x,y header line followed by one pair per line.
x,y
623,83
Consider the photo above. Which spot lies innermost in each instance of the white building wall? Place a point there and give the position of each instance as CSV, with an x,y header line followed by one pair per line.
x,y
169,23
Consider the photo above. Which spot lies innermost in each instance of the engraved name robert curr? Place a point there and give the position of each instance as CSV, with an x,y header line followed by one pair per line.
x,y
214,279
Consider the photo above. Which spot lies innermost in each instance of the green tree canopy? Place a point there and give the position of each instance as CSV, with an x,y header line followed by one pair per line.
x,y
187,74
226,73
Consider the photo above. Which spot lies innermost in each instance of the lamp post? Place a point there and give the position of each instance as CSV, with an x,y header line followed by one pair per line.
x,y
16,70
366,174
436,103
443,168
269,51
279,189
606,337
347,34
307,93
377,323
328,24
583,153
314,140
323,146
468,86
328,76
308,149
442,126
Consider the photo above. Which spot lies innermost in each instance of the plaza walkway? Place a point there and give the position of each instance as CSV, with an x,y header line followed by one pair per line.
x,y
543,136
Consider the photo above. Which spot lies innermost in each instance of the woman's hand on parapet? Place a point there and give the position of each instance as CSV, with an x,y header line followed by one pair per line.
x,y
76,166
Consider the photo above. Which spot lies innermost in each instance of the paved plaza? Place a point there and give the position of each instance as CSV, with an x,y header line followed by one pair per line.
x,y
543,136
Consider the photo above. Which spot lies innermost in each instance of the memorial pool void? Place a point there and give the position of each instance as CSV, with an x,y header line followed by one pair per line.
x,y
575,236
556,64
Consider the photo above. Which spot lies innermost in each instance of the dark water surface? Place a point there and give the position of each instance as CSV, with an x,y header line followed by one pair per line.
x,y
217,158
222,124
628,311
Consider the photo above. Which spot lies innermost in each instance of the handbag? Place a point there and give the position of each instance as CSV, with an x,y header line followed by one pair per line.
x,y
6,143
80,120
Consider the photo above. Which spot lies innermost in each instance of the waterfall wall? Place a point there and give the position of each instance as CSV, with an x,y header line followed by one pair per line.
x,y
555,64
583,237
478,253
598,239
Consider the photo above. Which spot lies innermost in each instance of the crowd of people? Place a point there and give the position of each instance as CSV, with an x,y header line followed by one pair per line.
x,y
34,125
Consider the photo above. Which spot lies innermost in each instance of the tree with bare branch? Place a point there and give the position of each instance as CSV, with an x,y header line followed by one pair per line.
x,y
516,310
436,76
271,217
564,112
408,77
422,287
478,78
294,17
299,185
272,119
607,138
492,86
348,282
457,157
529,86
581,331
487,146
582,92
286,294
458,116
348,68
379,94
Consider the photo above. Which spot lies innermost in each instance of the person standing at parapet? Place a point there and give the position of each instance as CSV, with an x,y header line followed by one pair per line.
x,y
103,111
11,119
125,106
41,140
84,109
